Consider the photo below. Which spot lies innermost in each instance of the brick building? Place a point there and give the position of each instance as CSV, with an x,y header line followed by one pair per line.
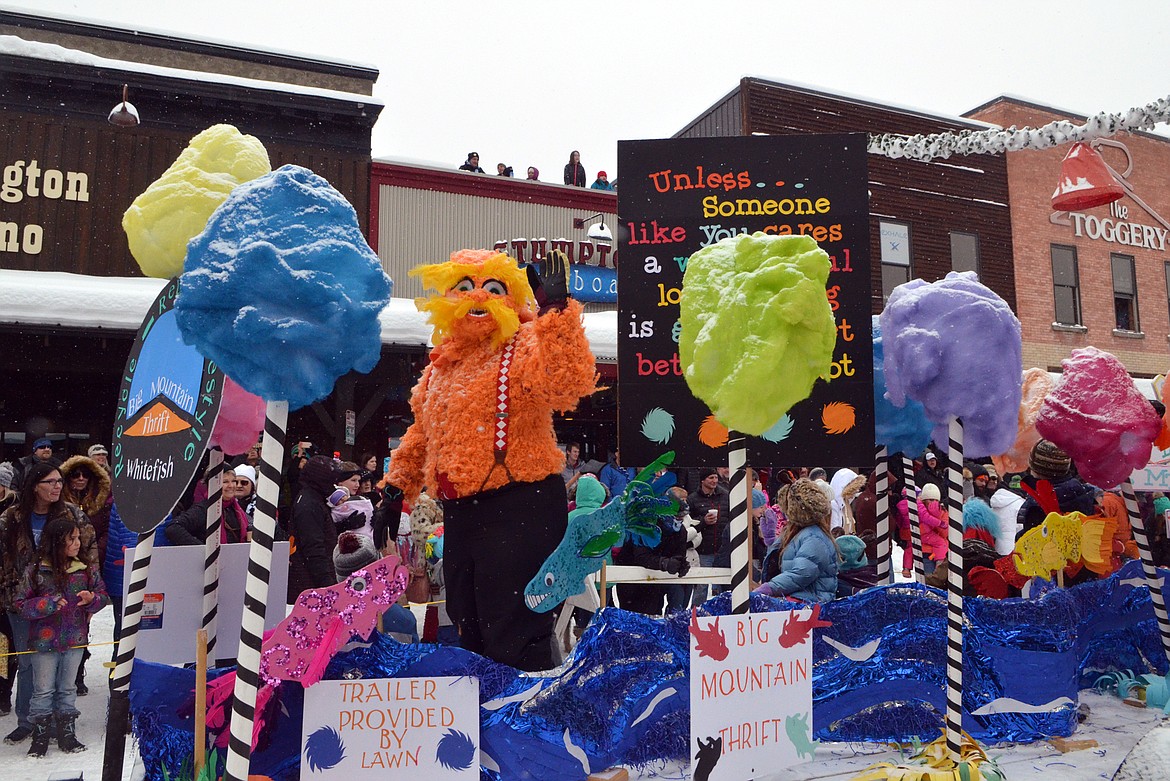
x,y
1099,277
926,219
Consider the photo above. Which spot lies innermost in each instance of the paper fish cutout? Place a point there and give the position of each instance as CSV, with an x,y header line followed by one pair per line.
x,y
1062,539
796,630
594,530
321,621
708,642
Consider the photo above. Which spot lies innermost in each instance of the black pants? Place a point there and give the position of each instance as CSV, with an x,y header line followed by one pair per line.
x,y
493,544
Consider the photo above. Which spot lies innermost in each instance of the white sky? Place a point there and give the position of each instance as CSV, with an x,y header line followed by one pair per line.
x,y
526,82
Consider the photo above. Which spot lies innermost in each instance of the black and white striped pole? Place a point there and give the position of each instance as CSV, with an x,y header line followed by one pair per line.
x,y
211,548
882,468
256,594
1142,539
741,562
118,717
915,528
954,714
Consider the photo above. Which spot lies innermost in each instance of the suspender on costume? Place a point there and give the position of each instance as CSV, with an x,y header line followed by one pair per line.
x,y
503,400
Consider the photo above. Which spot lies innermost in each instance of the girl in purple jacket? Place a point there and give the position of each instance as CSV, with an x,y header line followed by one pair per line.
x,y
58,594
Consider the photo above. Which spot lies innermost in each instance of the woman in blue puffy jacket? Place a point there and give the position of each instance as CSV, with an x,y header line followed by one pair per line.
x,y
805,549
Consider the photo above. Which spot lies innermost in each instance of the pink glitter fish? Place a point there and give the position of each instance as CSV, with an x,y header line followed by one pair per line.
x,y
321,621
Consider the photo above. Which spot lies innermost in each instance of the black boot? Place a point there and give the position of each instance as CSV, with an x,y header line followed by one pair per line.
x,y
82,689
67,735
18,735
40,737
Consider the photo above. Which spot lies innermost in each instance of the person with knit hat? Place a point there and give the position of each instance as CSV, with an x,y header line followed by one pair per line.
x,y
806,551
933,524
42,452
312,534
1048,462
355,551
601,182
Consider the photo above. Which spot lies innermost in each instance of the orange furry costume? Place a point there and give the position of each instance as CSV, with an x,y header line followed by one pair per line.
x,y
449,447
490,454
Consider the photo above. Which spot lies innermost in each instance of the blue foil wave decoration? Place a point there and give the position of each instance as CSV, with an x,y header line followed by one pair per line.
x,y
622,696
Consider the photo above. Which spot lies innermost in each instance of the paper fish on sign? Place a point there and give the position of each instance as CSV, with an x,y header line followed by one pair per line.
x,y
711,642
796,630
1064,539
594,530
321,621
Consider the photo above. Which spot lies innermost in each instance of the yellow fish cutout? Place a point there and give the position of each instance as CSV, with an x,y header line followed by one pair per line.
x,y
1064,539
175,208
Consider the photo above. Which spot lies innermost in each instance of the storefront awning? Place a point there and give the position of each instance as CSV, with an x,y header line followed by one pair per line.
x,y
51,299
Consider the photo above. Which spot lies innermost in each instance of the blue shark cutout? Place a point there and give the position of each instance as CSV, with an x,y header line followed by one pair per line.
x,y
595,529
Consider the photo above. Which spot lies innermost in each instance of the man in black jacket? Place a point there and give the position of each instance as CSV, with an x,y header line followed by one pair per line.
x,y
312,535
710,505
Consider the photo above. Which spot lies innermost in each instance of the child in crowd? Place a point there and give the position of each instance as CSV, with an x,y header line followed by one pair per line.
x,y
805,551
932,522
58,594
351,510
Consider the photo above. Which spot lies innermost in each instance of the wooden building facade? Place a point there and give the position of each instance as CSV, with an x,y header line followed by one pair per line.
x,y
67,176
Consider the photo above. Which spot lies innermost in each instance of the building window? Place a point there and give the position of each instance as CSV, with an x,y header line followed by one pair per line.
x,y
965,252
1168,283
895,238
1125,304
1066,288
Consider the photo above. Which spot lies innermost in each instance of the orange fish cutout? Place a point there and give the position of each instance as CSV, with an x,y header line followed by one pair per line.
x,y
712,433
156,421
838,417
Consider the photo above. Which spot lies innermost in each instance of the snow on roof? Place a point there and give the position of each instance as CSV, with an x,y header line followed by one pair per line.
x,y
869,101
18,47
59,299
164,33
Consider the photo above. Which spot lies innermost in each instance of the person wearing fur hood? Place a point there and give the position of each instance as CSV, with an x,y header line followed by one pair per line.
x,y
87,485
846,485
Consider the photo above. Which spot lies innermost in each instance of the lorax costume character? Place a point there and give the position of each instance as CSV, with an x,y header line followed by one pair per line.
x,y
509,350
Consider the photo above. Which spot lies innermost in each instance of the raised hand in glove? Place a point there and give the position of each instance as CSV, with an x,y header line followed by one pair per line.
x,y
675,565
550,284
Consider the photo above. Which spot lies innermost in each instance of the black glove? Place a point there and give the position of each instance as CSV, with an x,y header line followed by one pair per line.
x,y
675,565
550,284
351,522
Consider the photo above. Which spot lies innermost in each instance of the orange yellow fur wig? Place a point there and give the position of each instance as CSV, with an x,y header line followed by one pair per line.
x,y
446,307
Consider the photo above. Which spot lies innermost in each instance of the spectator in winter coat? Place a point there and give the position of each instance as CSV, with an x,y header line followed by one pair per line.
x,y
190,526
312,535
709,505
670,555
1006,505
931,472
806,552
472,163
601,182
20,531
533,174
246,489
1049,462
42,452
932,523
574,171
87,485
615,477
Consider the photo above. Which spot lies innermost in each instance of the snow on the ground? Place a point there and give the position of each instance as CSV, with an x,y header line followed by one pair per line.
x,y
1115,726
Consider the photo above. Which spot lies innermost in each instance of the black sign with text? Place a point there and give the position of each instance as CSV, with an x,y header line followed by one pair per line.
x,y
167,406
680,195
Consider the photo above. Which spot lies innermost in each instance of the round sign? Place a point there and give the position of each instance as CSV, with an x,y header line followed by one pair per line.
x,y
166,409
